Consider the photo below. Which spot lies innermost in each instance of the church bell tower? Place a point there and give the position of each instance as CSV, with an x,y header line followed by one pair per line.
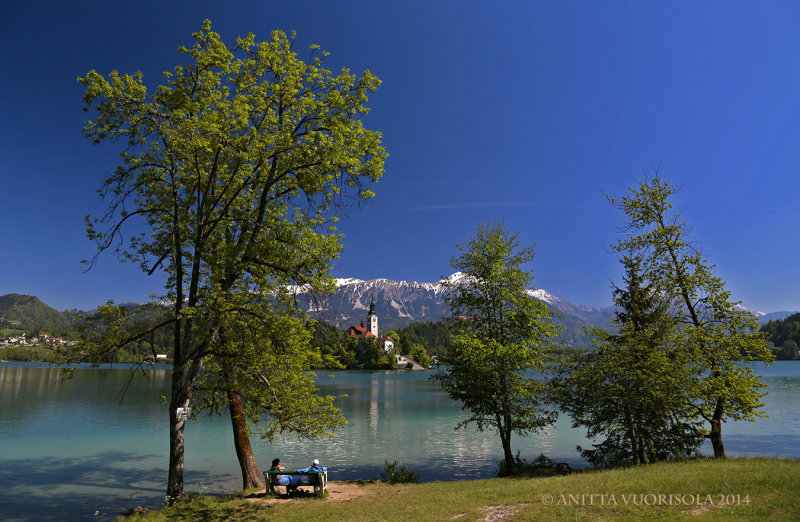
x,y
373,318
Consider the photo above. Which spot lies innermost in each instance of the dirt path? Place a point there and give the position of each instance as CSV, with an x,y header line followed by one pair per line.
x,y
336,491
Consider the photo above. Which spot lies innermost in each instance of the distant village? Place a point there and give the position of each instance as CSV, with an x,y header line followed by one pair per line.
x,y
41,339
361,331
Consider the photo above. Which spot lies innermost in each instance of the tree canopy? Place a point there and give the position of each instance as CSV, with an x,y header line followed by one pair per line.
x,y
633,393
716,335
232,174
499,328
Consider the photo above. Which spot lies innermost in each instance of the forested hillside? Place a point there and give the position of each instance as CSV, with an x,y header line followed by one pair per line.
x,y
28,315
785,335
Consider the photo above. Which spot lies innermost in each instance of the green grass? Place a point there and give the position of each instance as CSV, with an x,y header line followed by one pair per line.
x,y
760,488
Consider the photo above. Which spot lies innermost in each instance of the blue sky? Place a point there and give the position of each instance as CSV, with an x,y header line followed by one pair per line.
x,y
524,111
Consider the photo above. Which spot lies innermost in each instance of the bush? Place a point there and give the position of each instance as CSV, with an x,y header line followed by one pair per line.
x,y
515,467
27,354
542,466
393,474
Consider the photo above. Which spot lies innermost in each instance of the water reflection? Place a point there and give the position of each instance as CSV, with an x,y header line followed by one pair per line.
x,y
88,449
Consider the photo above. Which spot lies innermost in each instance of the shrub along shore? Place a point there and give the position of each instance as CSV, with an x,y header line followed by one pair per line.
x,y
709,489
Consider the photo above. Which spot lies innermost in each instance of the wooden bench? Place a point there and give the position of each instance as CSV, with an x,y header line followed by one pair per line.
x,y
318,479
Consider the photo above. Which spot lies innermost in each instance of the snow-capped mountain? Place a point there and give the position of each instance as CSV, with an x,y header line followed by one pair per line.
x,y
399,303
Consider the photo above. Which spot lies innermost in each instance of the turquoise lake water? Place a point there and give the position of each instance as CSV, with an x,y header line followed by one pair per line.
x,y
82,449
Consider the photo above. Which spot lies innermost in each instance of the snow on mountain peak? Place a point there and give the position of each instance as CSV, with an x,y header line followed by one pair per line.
x,y
455,278
543,295
344,281
745,309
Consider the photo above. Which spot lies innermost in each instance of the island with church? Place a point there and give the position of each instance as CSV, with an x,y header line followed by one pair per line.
x,y
363,347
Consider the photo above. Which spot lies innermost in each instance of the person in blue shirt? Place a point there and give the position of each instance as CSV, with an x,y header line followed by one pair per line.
x,y
314,467
299,481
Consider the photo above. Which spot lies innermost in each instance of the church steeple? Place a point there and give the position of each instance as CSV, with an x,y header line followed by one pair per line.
x,y
373,318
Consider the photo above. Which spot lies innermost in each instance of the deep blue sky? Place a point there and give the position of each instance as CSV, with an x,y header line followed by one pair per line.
x,y
525,111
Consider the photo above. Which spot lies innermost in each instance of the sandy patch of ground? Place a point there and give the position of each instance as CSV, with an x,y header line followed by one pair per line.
x,y
494,513
337,491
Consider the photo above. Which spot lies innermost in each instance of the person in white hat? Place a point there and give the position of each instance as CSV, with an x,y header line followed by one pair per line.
x,y
314,467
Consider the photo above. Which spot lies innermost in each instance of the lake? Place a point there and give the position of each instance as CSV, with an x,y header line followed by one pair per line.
x,y
82,449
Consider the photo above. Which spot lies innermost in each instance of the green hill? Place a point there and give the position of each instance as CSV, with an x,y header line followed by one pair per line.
x,y
27,312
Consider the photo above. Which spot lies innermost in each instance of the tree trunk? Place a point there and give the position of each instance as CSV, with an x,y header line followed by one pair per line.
x,y
177,397
716,430
175,491
507,455
505,438
241,439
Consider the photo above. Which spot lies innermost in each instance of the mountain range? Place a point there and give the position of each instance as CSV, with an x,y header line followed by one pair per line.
x,y
400,303
397,303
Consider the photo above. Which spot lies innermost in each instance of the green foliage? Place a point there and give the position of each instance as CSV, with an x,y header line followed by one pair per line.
x,y
433,336
782,331
272,378
715,337
394,335
634,392
394,474
418,353
27,354
370,354
498,330
789,350
339,350
541,466
332,347
235,169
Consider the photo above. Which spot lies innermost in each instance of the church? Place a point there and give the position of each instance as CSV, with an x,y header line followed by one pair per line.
x,y
364,332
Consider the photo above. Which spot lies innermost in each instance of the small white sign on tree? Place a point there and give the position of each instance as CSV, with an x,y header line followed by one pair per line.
x,y
183,413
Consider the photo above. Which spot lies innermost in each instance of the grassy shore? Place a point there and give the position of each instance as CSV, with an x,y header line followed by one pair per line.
x,y
731,489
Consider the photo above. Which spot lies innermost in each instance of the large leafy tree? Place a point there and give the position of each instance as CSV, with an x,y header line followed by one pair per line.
x,y
232,173
499,329
716,336
632,392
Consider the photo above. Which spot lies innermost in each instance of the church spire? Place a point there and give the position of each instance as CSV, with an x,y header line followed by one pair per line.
x,y
372,317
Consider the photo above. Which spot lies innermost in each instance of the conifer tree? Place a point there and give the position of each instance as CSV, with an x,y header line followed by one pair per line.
x,y
634,389
718,337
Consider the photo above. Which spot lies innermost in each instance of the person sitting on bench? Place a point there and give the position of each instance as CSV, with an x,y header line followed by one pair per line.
x,y
314,467
304,480
283,480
